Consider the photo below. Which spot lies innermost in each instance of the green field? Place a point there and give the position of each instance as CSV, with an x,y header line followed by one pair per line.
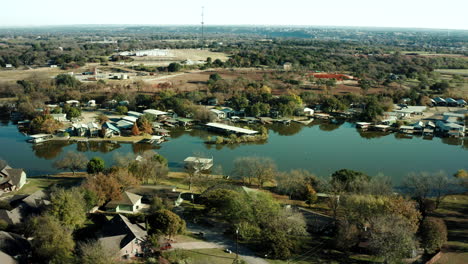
x,y
453,71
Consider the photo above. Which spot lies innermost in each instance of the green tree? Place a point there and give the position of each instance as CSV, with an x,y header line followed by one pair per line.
x,y
121,110
174,67
433,234
165,222
95,165
67,81
72,161
69,207
53,242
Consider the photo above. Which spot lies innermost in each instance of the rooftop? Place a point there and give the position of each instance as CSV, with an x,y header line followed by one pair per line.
x,y
232,128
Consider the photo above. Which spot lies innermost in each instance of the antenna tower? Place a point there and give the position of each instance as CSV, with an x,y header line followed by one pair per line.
x,y
203,27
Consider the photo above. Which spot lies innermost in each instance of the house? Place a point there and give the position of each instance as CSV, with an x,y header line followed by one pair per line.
x,y
24,207
91,103
154,112
93,129
60,117
129,203
122,238
451,102
308,111
219,114
73,102
11,179
229,112
461,102
451,129
80,130
134,114
124,102
110,130
13,246
440,101
131,119
287,66
124,124
8,66
198,164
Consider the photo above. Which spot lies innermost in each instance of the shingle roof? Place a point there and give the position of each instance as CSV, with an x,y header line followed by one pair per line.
x,y
119,231
128,198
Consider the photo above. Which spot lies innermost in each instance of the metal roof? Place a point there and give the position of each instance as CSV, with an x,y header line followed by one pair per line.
x,y
154,112
232,128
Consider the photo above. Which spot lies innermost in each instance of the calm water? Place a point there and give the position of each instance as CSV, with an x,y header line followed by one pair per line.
x,y
321,148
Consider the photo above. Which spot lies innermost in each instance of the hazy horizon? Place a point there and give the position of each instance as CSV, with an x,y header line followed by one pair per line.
x,y
415,14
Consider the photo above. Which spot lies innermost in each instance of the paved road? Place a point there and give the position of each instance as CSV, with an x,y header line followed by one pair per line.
x,y
214,238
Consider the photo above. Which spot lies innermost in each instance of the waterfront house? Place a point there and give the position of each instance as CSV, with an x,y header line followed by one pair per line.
x,y
461,102
406,129
110,130
154,112
93,129
11,179
229,112
80,130
134,114
131,119
122,238
198,164
308,111
451,102
60,117
128,203
218,113
124,124
440,101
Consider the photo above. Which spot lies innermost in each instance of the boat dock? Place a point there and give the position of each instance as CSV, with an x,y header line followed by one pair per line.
x,y
230,129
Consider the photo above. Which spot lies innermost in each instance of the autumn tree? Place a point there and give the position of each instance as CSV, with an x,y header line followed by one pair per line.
x,y
93,252
295,183
135,130
110,186
391,238
72,161
433,234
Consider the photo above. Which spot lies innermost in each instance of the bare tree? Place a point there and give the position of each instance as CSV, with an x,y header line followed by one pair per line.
x,y
73,161
260,169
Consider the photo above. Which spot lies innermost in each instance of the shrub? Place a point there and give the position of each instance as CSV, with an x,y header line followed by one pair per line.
x,y
433,234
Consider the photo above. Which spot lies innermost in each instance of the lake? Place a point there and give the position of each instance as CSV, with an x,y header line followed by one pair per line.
x,y
321,148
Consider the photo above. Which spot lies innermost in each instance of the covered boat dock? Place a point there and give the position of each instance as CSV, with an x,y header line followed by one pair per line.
x,y
230,129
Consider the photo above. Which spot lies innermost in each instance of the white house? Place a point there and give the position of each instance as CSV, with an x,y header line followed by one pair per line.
x,y
129,203
60,117
220,114
308,111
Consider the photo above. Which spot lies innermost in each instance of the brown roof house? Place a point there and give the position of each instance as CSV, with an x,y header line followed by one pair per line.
x,y
129,203
24,207
11,179
121,238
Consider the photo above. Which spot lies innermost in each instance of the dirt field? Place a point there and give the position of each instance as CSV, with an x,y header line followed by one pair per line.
x,y
178,55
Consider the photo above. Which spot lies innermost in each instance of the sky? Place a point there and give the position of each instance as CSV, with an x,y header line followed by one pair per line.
x,y
446,14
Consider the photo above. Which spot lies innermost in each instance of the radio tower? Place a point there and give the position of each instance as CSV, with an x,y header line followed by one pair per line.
x,y
203,27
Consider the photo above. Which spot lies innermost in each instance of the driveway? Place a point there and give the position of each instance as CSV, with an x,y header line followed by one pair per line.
x,y
214,238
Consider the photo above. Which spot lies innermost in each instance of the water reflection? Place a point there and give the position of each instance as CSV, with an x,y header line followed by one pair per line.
x,y
49,150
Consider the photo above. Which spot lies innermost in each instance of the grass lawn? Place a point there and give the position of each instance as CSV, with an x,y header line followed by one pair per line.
x,y
34,184
453,71
454,211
